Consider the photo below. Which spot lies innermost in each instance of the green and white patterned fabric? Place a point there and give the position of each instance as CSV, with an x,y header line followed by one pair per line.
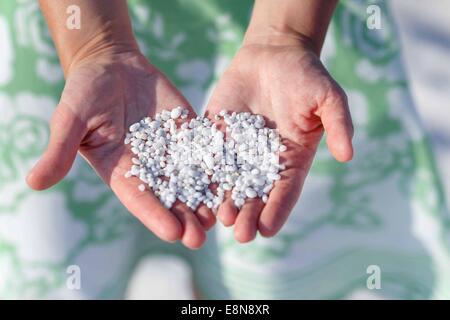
x,y
385,208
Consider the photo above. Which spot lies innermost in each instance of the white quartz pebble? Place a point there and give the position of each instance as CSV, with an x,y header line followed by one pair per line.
x,y
282,148
273,176
175,113
181,161
250,193
134,126
209,161
239,202
127,174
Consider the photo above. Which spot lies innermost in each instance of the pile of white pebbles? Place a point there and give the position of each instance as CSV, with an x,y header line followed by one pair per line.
x,y
183,160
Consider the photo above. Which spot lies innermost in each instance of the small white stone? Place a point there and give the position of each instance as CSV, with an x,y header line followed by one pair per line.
x,y
239,202
127,174
227,186
196,154
209,161
135,126
273,176
175,113
249,192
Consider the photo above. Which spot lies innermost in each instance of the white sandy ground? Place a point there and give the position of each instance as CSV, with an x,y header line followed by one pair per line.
x,y
425,35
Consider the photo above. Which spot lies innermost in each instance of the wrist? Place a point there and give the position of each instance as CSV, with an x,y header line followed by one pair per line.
x,y
274,37
104,45
104,28
290,22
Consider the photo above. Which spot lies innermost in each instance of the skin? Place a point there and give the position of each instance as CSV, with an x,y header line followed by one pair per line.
x,y
277,73
110,85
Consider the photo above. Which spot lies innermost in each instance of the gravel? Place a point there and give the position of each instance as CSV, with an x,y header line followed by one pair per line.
x,y
181,161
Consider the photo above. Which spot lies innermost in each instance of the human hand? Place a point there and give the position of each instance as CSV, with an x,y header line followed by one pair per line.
x,y
288,85
104,94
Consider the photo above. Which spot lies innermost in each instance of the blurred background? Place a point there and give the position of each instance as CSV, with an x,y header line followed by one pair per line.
x,y
425,36
37,245
424,28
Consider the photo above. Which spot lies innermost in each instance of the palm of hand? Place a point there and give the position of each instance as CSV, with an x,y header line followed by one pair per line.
x,y
99,102
292,90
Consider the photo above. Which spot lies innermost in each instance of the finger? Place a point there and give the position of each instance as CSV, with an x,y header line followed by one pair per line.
x,y
205,216
66,134
146,207
337,122
111,162
227,212
193,233
281,200
246,224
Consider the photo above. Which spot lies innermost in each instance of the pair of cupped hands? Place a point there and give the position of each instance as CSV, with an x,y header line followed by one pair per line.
x,y
107,90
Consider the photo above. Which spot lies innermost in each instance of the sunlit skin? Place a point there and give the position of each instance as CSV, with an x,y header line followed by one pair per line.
x,y
99,102
277,73
110,85
288,85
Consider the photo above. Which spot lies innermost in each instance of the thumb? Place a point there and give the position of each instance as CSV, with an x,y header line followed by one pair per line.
x,y
66,134
337,122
